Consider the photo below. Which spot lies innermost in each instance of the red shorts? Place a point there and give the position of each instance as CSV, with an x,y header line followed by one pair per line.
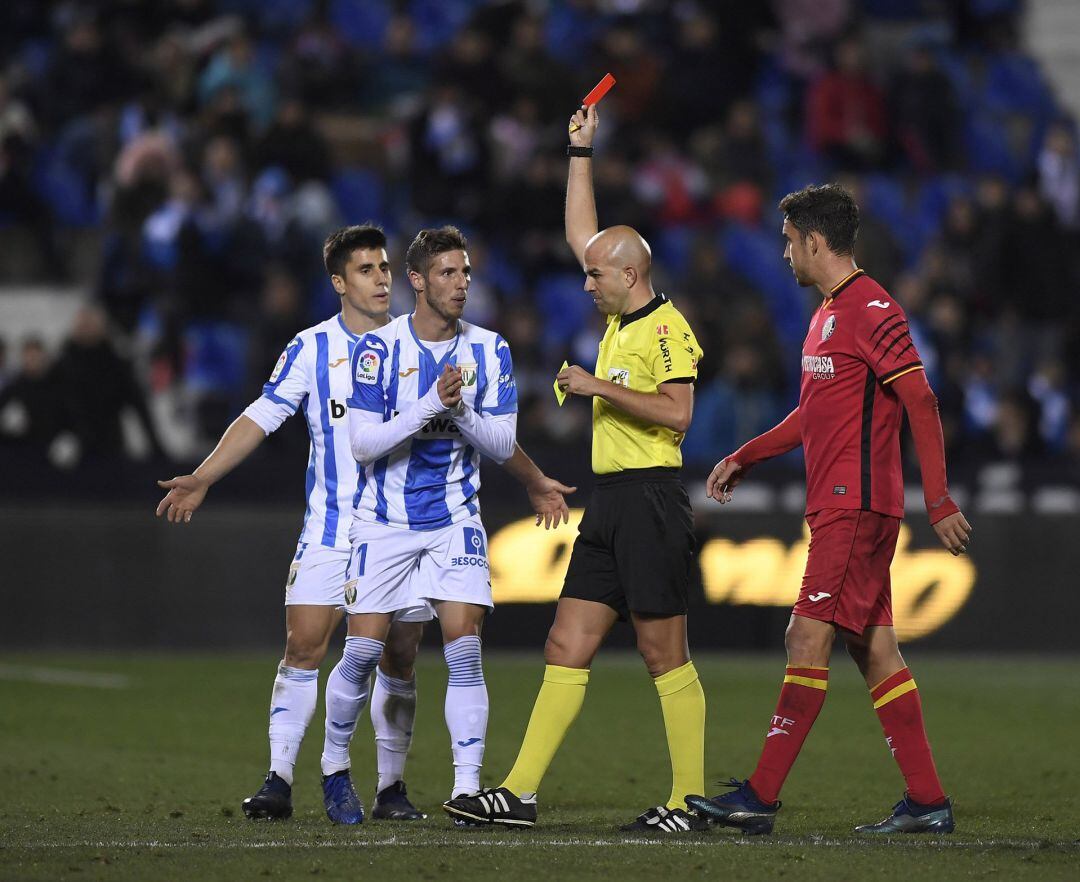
x,y
847,571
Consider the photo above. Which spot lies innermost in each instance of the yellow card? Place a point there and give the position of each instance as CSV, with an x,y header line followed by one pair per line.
x,y
560,396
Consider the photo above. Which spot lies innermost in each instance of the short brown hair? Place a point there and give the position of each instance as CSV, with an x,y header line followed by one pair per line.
x,y
432,242
341,243
827,209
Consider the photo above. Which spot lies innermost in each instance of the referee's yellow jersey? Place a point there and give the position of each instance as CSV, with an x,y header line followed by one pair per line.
x,y
641,350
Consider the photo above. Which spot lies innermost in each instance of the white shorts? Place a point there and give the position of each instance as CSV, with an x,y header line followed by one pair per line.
x,y
394,568
317,577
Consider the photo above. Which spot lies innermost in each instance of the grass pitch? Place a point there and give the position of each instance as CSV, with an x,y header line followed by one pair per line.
x,y
133,768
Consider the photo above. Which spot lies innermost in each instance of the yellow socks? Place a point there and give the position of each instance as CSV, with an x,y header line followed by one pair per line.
x,y
683,703
554,712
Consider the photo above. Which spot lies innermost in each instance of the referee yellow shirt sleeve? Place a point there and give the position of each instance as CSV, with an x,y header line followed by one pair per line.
x,y
675,349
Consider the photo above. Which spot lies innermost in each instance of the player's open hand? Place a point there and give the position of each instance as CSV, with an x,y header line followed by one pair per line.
x,y
583,126
954,532
575,380
548,499
723,479
186,494
450,387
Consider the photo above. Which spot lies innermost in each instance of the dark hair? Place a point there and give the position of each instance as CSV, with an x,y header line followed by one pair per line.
x,y
341,243
429,243
827,209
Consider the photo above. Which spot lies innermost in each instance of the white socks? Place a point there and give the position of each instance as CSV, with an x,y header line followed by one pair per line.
x,y
346,694
466,711
393,710
292,704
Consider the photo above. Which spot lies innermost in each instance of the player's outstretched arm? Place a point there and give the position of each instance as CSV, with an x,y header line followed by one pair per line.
x,y
921,405
581,223
186,492
547,496
726,474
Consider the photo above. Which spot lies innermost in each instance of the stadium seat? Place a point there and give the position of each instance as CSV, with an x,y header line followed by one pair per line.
x,y
360,22
565,307
359,194
216,354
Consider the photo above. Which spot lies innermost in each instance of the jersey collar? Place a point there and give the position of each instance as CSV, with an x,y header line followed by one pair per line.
x,y
446,359
653,305
843,283
345,328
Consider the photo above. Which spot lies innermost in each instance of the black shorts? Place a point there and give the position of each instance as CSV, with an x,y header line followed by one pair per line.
x,y
635,544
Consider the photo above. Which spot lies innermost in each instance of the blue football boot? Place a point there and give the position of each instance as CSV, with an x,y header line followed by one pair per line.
x,y
741,809
342,804
272,801
911,817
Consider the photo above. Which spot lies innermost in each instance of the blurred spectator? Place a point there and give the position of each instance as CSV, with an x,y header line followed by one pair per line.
x,y
925,113
30,405
97,387
397,81
319,66
846,117
295,144
1059,174
235,69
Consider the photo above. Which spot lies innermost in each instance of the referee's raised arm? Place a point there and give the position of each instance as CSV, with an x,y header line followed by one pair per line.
x,y
581,223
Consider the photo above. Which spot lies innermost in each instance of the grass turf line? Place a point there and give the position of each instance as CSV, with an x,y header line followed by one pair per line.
x,y
145,781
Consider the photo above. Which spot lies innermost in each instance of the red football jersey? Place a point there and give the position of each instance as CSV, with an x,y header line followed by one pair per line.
x,y
858,343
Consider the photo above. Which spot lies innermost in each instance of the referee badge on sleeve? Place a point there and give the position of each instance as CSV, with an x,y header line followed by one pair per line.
x,y
619,376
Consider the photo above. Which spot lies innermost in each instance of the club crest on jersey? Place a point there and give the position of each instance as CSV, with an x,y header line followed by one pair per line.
x,y
350,592
367,367
619,376
828,328
468,373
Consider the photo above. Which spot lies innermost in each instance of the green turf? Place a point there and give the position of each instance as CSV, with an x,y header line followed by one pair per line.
x,y
144,781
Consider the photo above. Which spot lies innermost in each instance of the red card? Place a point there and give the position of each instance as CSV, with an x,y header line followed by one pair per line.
x,y
599,90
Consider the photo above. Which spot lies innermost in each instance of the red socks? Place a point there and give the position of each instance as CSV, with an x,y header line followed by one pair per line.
x,y
801,699
896,700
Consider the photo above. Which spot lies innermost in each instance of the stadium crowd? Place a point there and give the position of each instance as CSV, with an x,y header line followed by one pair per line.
x,y
183,160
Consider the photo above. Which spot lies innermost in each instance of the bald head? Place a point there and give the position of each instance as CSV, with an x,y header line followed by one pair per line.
x,y
618,264
619,247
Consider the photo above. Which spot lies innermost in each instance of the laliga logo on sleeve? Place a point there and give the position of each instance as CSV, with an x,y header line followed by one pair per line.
x,y
828,328
367,367
279,367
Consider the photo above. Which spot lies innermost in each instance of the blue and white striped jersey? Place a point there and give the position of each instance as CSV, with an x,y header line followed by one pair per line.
x,y
313,373
431,480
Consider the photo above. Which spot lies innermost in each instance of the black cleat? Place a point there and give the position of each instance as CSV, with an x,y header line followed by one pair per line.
x,y
740,809
911,817
664,820
495,805
392,804
272,801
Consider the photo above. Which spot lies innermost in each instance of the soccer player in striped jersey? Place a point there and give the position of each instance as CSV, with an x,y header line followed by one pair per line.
x,y
313,374
431,393
860,373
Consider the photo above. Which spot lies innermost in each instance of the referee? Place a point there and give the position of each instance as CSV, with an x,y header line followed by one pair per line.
x,y
632,557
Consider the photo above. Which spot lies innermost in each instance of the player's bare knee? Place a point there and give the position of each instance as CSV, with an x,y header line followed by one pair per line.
x,y
398,659
660,658
859,652
808,645
302,654
566,650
